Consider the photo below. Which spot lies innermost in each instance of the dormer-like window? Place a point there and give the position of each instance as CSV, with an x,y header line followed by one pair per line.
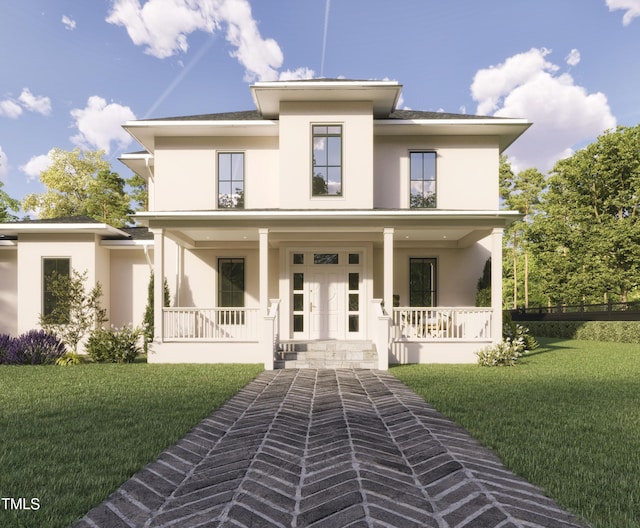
x,y
423,179
326,172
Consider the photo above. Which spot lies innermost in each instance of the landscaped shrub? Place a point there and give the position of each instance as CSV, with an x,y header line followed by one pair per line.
x,y
35,347
71,358
506,353
515,332
7,346
113,345
616,331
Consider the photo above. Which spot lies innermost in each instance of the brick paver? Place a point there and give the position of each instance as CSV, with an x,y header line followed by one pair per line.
x,y
327,448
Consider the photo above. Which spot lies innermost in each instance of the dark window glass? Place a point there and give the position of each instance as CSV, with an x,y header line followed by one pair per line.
x,y
231,180
298,281
231,282
423,179
354,323
354,280
326,173
354,258
298,258
298,302
422,282
325,258
298,323
53,309
354,301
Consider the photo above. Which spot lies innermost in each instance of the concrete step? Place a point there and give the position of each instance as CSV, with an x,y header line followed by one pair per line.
x,y
327,354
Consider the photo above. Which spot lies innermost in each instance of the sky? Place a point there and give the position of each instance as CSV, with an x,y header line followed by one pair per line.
x,y
73,71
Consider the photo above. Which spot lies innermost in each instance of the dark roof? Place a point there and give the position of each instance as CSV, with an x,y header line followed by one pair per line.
x,y
254,115
134,233
80,219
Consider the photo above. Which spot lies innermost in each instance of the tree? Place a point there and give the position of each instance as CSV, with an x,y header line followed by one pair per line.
x,y
76,310
81,183
139,192
7,204
521,192
589,234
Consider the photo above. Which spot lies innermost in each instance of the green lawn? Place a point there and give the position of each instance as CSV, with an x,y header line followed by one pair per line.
x,y
567,418
71,435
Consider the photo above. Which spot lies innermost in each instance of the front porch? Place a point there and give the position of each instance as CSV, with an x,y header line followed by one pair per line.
x,y
240,291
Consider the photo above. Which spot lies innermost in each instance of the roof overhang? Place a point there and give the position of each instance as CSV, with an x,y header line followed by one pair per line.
x,y
21,228
145,132
195,229
267,96
507,130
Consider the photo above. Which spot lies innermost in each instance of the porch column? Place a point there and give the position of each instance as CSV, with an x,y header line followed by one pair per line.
x,y
496,283
158,284
388,270
263,234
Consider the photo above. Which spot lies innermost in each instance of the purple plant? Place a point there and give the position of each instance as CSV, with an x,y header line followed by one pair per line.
x,y
7,349
35,347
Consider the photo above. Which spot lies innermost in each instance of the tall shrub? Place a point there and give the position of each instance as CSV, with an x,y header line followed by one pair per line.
x,y
148,311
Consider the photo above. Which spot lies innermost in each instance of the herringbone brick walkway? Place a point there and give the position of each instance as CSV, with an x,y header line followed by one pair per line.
x,y
327,448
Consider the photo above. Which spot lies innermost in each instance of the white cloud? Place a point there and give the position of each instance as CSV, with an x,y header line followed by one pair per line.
x,y
162,26
68,22
36,165
99,124
35,103
573,59
4,166
10,109
563,113
296,75
632,8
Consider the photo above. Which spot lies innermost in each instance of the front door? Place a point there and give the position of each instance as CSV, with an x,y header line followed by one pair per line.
x,y
326,294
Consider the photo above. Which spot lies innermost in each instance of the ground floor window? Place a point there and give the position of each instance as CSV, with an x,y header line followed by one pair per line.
x,y
422,282
52,269
231,282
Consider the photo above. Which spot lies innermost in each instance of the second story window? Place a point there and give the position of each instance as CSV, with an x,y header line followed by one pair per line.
x,y
231,180
326,175
423,179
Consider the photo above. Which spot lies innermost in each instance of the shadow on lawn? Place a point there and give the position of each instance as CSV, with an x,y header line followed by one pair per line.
x,y
547,345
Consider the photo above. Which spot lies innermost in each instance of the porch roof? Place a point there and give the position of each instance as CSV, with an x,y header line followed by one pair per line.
x,y
446,228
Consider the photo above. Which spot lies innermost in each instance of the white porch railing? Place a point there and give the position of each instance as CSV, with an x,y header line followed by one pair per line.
x,y
211,324
442,324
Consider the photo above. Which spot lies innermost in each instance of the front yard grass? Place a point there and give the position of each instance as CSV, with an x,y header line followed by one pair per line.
x,y
566,418
72,435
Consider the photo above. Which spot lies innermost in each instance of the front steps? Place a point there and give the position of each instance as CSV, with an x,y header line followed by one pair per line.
x,y
326,354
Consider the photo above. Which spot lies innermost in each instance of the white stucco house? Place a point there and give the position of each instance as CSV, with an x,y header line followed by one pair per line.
x,y
325,215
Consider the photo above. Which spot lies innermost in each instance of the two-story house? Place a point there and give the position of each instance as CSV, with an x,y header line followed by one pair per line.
x,y
325,215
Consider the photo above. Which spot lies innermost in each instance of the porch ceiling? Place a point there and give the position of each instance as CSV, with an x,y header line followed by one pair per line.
x,y
437,228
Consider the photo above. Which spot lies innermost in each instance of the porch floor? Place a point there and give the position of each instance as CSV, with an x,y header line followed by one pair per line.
x,y
327,354
327,448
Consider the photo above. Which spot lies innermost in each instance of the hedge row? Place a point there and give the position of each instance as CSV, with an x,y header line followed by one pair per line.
x,y
617,331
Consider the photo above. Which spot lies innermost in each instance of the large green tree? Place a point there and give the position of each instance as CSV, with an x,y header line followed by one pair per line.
x,y
589,233
80,182
520,192
7,204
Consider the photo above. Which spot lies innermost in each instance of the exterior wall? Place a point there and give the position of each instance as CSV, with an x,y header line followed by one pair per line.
x,y
296,149
458,271
129,278
185,164
466,171
206,353
32,248
8,290
403,352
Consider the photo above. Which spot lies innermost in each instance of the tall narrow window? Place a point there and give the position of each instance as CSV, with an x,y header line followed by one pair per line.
x,y
231,282
52,309
423,179
231,180
422,282
326,175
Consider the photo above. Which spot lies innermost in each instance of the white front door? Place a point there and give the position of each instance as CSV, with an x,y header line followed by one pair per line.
x,y
326,294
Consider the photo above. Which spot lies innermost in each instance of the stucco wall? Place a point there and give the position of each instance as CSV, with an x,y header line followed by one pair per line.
x,y
466,171
8,290
129,276
296,119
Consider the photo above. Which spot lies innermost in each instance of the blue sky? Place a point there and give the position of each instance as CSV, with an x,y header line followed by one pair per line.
x,y
73,71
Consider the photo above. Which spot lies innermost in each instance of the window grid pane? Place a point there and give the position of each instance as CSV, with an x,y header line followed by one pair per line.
x,y
423,179
231,282
326,172
52,268
231,180
422,282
